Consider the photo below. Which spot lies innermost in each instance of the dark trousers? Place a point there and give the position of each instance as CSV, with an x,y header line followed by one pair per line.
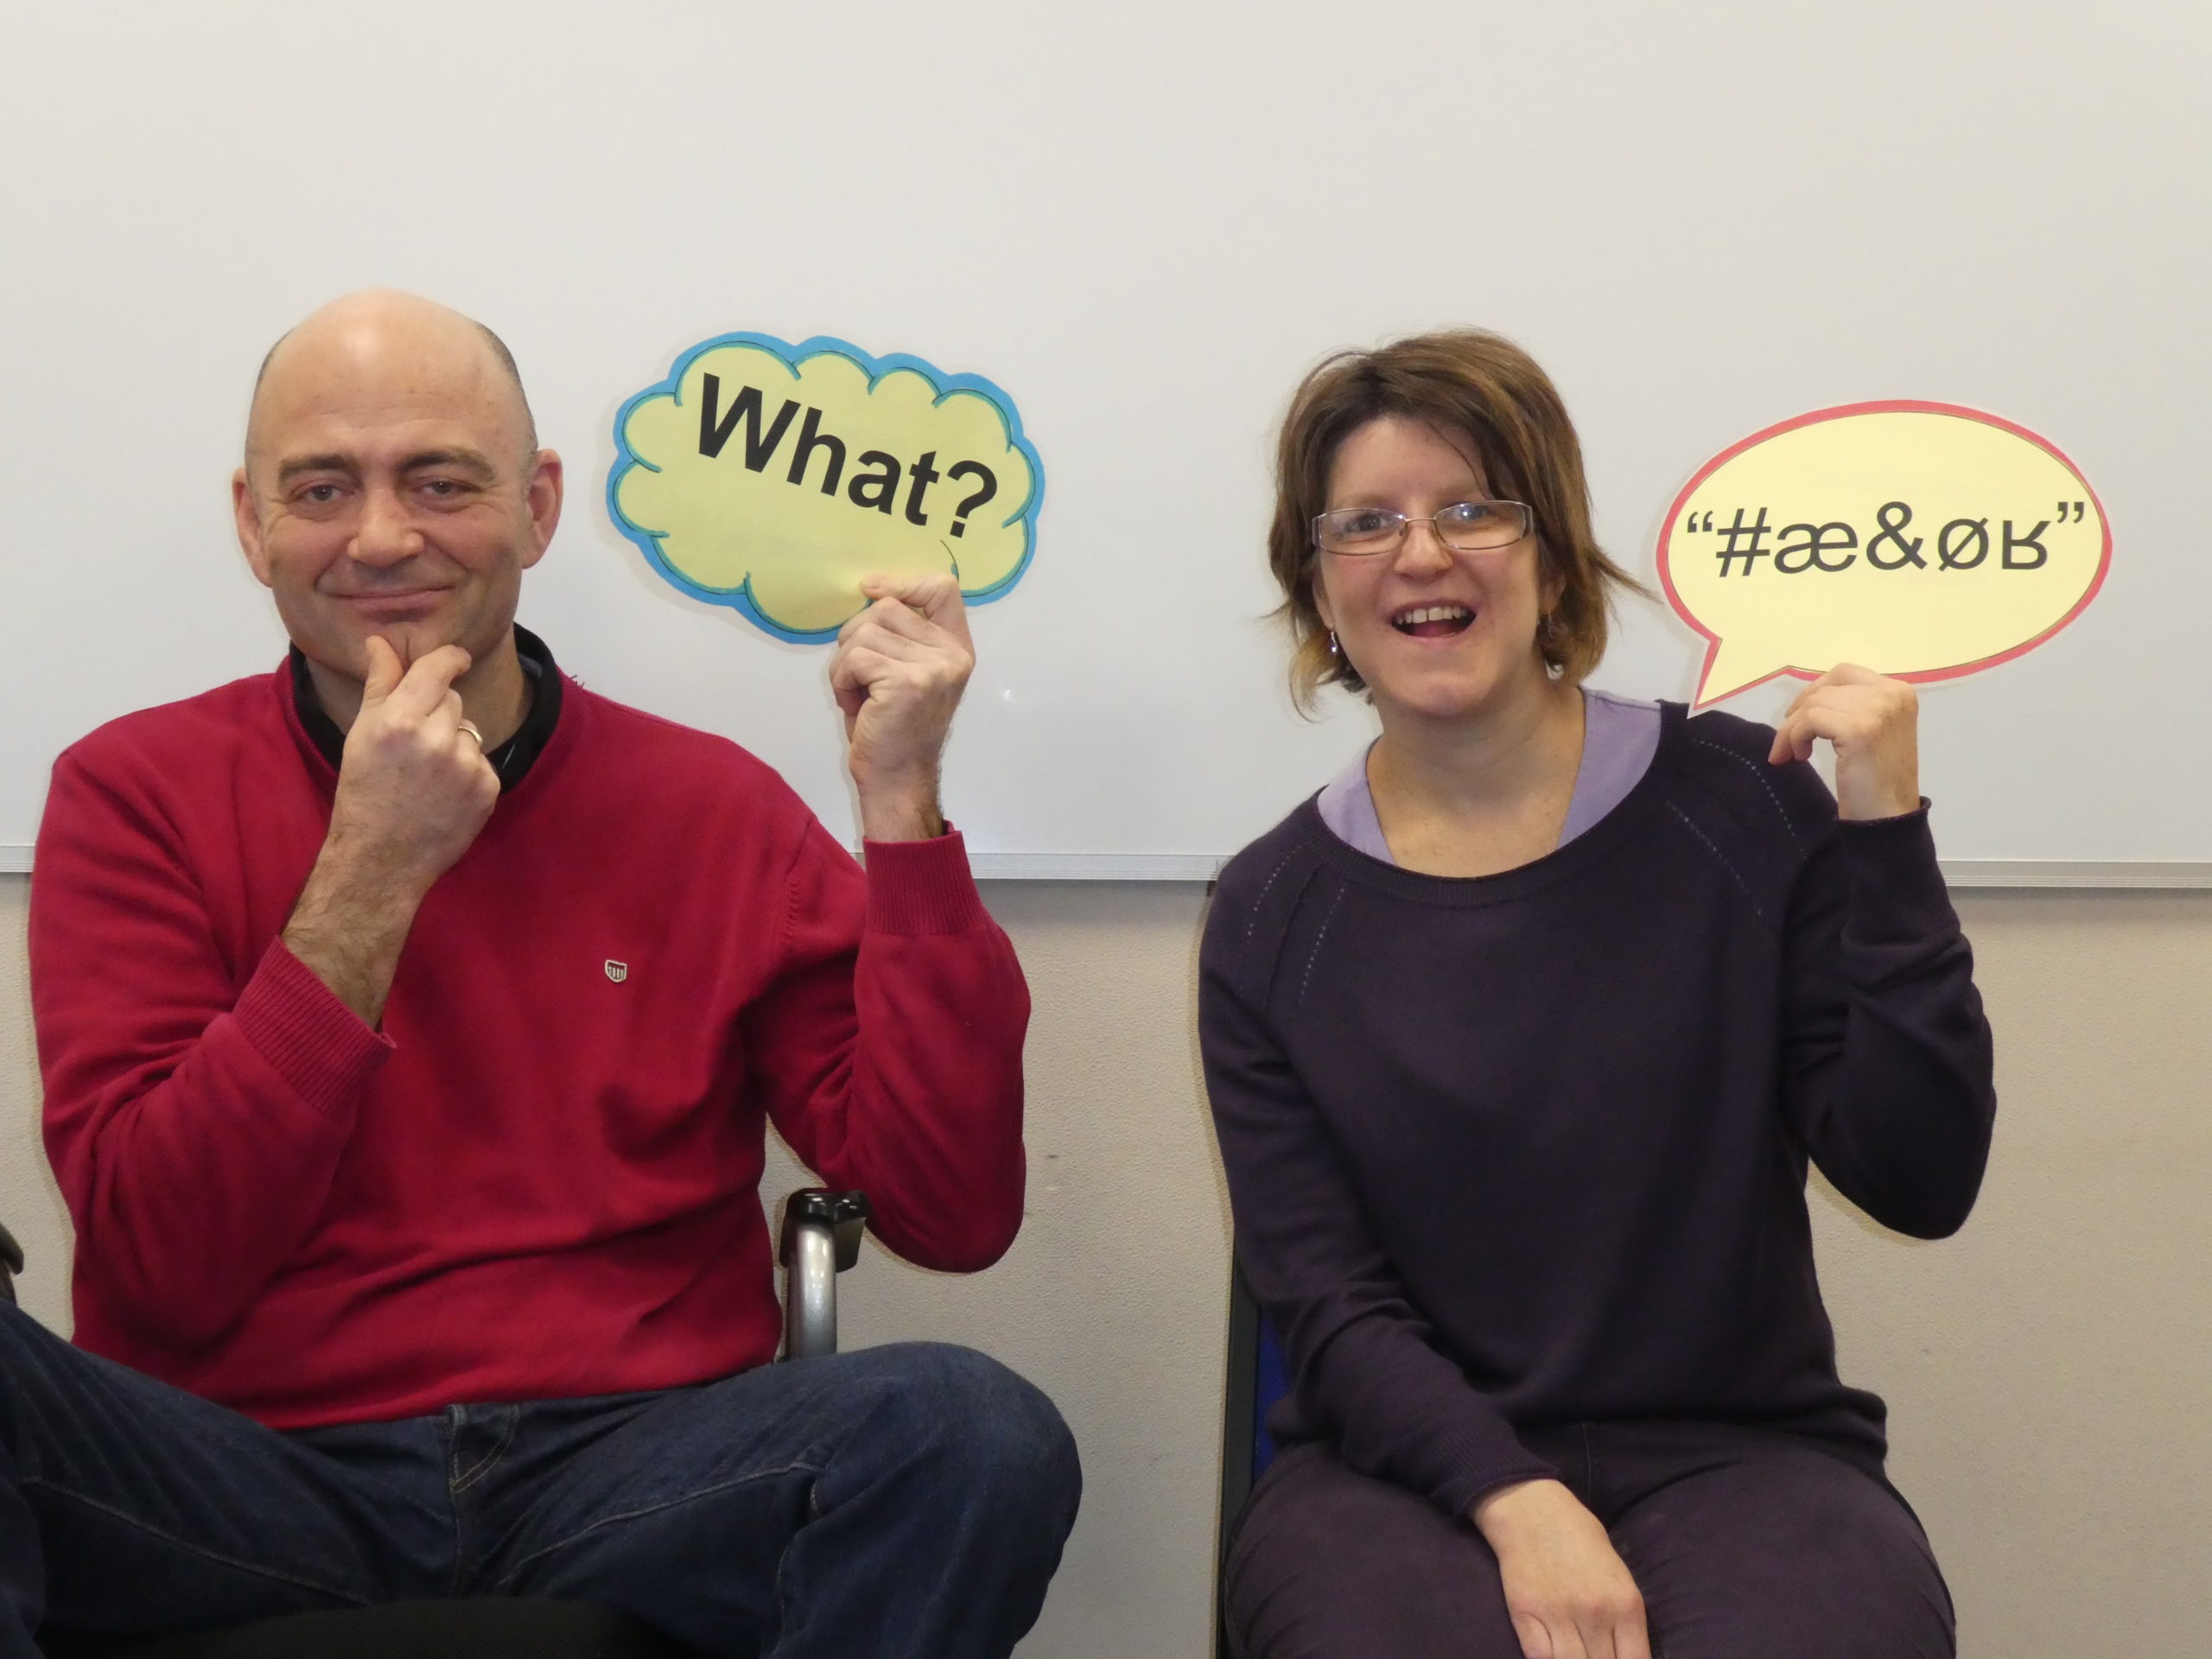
x,y
900,1501
1746,1544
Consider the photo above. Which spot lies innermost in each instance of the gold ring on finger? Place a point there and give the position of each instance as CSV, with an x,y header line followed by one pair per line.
x,y
469,726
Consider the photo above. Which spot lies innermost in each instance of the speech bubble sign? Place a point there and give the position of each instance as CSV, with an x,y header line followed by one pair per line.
x,y
771,477
1922,540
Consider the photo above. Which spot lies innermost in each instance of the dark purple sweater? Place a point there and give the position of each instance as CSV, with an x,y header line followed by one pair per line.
x,y
1530,1148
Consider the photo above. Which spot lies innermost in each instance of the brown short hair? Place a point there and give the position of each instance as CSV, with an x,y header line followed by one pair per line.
x,y
1461,381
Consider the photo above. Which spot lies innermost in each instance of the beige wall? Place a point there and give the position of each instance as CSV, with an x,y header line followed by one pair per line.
x,y
2047,1369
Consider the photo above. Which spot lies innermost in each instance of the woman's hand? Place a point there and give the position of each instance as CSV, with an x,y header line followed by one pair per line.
x,y
1570,1595
1874,723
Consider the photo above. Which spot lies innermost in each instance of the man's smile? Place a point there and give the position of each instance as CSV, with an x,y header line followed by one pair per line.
x,y
394,601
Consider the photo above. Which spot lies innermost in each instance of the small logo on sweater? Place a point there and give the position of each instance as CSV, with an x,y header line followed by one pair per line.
x,y
617,971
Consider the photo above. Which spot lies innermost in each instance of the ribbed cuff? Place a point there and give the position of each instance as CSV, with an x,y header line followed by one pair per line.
x,y
1461,1496
310,1039
1896,887
1488,1456
922,886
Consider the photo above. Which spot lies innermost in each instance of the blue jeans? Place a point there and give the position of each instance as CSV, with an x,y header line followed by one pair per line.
x,y
905,1500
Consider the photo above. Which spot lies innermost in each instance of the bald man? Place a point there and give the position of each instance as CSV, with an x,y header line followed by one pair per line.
x,y
410,1020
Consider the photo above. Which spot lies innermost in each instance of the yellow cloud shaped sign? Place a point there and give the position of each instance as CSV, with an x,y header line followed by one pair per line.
x,y
771,477
1922,540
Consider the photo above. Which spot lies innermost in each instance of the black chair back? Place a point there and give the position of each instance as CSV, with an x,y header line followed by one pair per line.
x,y
483,1629
1256,1376
12,1263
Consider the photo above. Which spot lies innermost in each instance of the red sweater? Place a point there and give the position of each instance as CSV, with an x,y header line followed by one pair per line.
x,y
539,1179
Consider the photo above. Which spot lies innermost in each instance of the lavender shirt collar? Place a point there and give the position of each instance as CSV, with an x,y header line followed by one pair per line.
x,y
1619,737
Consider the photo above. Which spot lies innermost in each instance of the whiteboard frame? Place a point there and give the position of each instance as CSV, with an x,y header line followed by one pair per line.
x,y
1964,874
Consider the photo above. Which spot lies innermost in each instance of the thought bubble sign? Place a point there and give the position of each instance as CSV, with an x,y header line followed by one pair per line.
x,y
771,477
1922,540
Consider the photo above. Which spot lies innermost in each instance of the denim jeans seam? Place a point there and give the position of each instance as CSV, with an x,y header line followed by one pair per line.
x,y
485,1465
501,1584
784,1556
200,1550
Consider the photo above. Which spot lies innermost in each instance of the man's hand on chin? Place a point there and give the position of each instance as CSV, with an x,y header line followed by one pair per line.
x,y
900,668
413,794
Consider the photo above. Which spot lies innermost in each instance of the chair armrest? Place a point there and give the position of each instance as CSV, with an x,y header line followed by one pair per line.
x,y
821,1237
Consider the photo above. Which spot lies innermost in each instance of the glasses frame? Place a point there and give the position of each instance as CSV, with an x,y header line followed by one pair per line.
x,y
1406,525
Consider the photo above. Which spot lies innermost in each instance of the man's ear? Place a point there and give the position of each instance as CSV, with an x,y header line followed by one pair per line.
x,y
542,494
247,513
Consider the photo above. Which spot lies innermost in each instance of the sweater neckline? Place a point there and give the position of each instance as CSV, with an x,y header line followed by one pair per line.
x,y
1562,863
569,706
512,759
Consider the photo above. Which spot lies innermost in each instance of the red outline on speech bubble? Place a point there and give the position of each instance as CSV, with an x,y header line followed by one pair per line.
x,y
1884,407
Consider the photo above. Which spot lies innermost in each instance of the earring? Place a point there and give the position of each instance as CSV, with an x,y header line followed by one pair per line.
x,y
1333,649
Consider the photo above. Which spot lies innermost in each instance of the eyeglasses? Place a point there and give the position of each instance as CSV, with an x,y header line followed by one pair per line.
x,y
1464,527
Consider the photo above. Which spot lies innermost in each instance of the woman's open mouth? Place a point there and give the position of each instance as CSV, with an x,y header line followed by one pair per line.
x,y
1433,621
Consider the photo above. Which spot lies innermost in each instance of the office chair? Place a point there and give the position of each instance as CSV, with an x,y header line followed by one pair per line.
x,y
1257,1376
12,1263
820,1238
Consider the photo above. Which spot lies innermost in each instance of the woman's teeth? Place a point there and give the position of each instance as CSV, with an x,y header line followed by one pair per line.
x,y
1451,619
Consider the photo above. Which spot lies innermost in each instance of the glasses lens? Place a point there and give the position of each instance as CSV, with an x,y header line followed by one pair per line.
x,y
1469,525
1359,530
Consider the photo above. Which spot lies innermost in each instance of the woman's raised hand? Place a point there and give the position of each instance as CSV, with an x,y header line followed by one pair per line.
x,y
1570,1594
1873,722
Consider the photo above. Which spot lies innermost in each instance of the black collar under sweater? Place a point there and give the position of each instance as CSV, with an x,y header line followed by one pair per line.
x,y
512,761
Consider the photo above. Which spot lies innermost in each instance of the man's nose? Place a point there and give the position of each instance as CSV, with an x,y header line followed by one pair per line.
x,y
386,533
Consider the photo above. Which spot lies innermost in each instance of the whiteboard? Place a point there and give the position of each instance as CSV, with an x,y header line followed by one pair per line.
x,y
1144,222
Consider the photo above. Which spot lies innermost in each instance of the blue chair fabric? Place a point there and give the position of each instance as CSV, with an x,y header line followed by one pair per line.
x,y
1257,1374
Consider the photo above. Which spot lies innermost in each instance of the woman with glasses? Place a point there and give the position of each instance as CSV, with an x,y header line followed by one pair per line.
x,y
1520,1036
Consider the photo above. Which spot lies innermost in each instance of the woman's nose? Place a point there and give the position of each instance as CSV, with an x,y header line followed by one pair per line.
x,y
1422,551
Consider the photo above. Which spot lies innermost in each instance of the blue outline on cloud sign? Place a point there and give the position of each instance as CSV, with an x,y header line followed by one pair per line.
x,y
741,598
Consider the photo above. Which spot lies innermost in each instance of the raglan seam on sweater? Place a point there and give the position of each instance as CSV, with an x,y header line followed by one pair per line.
x,y
785,925
1713,847
1276,955
1306,980
140,808
1252,914
1764,782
